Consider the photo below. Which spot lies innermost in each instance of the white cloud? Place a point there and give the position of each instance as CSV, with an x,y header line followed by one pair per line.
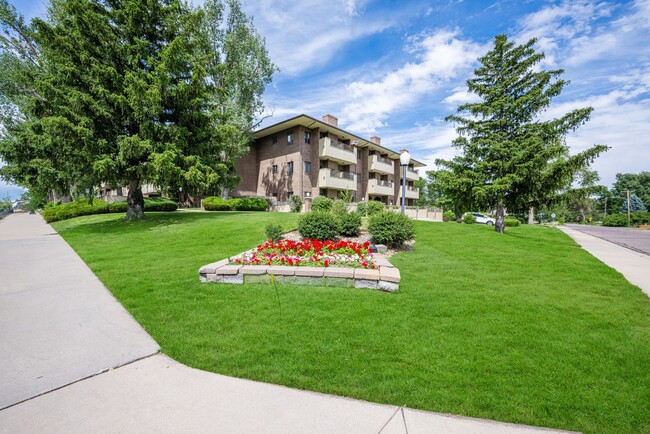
x,y
306,34
439,57
460,95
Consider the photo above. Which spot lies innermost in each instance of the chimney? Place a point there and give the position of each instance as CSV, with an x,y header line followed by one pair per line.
x,y
329,119
376,140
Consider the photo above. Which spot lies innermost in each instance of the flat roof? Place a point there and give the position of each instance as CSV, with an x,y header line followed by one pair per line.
x,y
309,122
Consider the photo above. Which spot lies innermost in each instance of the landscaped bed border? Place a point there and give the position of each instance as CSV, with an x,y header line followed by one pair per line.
x,y
386,278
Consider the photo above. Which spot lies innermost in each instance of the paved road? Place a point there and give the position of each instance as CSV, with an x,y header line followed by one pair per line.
x,y
72,360
635,239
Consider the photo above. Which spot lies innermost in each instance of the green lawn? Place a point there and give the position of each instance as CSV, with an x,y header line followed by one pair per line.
x,y
524,327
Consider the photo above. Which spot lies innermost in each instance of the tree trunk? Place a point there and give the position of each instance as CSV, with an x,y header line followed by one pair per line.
x,y
531,215
135,201
500,225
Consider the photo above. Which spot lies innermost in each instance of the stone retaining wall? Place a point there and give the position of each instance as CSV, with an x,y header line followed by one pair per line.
x,y
386,278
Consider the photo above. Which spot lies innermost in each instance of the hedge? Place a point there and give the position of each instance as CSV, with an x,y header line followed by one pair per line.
x,y
620,220
64,211
215,203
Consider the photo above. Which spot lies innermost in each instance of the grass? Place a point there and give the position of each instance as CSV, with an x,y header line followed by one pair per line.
x,y
524,327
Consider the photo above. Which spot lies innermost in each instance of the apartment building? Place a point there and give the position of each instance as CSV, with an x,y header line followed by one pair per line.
x,y
312,157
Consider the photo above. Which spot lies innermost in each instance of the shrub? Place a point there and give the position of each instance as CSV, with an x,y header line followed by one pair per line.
x,y
296,203
339,207
158,204
448,216
215,203
374,207
273,232
390,228
74,209
322,203
318,225
248,204
511,223
362,208
118,206
620,220
349,224
469,219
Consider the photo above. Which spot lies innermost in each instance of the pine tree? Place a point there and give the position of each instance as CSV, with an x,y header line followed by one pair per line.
x,y
133,92
510,158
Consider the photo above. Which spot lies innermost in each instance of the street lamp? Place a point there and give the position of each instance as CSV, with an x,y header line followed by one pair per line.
x,y
404,160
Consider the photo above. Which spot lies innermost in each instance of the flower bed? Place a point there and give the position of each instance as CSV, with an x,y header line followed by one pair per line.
x,y
309,253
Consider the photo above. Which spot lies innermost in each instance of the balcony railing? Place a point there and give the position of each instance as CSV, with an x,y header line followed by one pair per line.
x,y
335,179
412,174
411,192
381,165
337,151
381,187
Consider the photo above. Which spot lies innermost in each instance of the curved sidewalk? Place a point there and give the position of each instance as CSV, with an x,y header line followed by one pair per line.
x,y
74,360
633,265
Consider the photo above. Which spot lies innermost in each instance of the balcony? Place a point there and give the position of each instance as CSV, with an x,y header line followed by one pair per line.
x,y
331,178
381,165
412,175
411,192
340,152
378,187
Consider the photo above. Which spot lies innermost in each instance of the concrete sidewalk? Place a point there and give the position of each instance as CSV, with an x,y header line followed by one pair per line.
x,y
633,265
73,360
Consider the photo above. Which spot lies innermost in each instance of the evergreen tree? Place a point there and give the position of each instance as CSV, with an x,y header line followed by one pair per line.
x,y
639,183
136,92
636,205
510,158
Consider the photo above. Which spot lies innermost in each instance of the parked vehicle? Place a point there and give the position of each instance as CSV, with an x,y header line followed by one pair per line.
x,y
482,218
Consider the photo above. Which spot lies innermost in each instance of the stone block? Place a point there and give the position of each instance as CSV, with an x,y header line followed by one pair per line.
x,y
363,283
310,271
202,277
253,269
257,278
382,261
347,273
381,248
389,274
341,282
304,281
228,270
237,279
210,268
387,286
365,274
281,270
214,278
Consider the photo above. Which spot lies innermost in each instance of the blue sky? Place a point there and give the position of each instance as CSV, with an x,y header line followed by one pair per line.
x,y
396,68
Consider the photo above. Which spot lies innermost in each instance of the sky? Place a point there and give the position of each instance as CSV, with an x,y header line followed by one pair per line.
x,y
397,68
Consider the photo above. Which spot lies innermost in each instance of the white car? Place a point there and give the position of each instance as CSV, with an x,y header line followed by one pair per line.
x,y
482,218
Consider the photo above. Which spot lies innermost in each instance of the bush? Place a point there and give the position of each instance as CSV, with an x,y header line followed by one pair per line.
x,y
362,208
374,207
118,206
390,228
215,203
448,216
469,219
620,220
273,232
296,203
158,204
349,224
339,207
318,225
322,203
511,223
74,209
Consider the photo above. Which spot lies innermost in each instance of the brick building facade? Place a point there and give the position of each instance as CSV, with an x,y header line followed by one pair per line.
x,y
310,158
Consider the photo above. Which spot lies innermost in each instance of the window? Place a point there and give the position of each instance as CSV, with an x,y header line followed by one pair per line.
x,y
307,137
274,140
275,195
358,177
307,167
359,154
290,167
275,168
290,137
289,194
